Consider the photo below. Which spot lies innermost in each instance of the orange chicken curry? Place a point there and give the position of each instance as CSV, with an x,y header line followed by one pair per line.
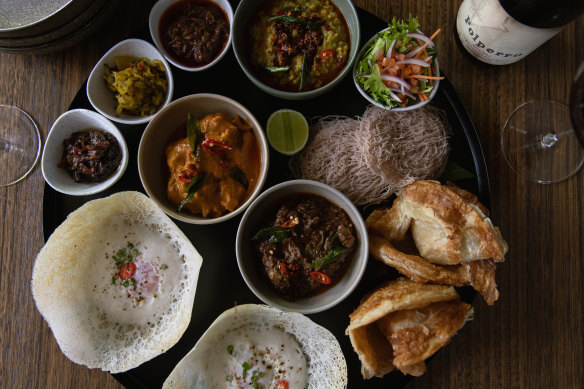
x,y
215,168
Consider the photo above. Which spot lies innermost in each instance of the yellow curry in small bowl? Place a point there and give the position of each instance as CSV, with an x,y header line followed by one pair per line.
x,y
214,167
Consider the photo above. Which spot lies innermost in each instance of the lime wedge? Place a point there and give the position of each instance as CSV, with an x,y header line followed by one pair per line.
x,y
287,131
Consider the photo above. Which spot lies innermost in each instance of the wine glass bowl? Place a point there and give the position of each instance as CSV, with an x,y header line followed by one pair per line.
x,y
20,144
539,142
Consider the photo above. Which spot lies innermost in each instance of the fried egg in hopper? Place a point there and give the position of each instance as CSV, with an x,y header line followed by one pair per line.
x,y
257,344
101,317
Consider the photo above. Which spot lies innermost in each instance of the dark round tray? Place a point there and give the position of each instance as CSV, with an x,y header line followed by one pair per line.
x,y
220,284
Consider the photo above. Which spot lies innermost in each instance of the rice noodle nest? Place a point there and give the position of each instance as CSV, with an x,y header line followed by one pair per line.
x,y
369,158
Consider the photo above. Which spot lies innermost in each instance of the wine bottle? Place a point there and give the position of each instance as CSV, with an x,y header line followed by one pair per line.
x,y
501,32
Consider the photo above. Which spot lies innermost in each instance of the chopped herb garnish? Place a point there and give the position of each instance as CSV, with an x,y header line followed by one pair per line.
x,y
114,279
228,378
126,254
274,234
164,266
194,185
246,367
126,283
230,350
131,282
331,256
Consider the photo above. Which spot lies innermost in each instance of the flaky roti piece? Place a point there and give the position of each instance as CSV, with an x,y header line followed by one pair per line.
x,y
402,323
259,344
416,334
448,225
116,282
478,274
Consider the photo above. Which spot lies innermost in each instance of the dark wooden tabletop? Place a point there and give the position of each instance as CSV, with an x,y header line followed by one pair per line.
x,y
533,337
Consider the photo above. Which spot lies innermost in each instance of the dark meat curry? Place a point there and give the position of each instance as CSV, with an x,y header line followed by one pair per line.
x,y
307,247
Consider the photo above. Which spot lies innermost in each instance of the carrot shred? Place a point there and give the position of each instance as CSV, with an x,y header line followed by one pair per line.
x,y
426,77
434,35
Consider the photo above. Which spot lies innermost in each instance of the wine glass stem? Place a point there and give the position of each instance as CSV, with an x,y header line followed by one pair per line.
x,y
5,146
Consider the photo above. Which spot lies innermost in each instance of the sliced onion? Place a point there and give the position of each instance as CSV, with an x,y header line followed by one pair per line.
x,y
388,53
415,51
394,96
421,37
388,77
413,61
411,96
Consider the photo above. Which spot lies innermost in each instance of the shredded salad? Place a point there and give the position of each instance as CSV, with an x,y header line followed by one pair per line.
x,y
397,68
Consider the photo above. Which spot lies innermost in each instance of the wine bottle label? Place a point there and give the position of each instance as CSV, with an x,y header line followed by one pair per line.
x,y
491,35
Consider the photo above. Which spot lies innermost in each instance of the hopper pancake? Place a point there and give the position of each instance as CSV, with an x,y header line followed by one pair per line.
x,y
116,282
263,345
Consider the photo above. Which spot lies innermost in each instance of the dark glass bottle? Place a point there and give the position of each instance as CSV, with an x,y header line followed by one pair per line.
x,y
501,32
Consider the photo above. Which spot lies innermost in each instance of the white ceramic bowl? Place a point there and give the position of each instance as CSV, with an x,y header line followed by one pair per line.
x,y
68,123
247,259
153,171
154,21
247,8
103,99
370,99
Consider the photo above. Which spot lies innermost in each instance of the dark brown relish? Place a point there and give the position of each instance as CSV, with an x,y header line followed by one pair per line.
x,y
194,32
91,155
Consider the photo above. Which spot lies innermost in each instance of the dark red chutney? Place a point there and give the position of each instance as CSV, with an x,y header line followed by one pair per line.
x,y
91,155
307,246
194,32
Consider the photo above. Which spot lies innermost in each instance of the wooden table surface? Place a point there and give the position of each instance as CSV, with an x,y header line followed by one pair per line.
x,y
532,338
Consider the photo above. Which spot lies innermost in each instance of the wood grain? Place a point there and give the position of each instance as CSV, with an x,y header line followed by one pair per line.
x,y
532,338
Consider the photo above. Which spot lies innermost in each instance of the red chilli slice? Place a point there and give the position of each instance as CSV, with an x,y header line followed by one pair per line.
x,y
283,384
293,221
127,270
215,147
321,277
289,269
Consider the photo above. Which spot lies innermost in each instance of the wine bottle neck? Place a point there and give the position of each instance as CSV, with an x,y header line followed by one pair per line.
x,y
543,13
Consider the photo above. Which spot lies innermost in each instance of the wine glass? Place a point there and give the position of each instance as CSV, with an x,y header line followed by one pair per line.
x,y
540,141
577,104
20,144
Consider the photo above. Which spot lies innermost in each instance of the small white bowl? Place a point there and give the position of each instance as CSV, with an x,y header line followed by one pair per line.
x,y
154,21
156,136
247,259
103,99
370,99
65,125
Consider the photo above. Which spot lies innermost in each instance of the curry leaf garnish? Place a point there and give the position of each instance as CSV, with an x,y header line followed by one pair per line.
x,y
194,185
293,9
274,234
303,72
455,172
331,256
286,19
194,134
275,69
238,175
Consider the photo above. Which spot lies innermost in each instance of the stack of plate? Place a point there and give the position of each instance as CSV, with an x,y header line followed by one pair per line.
x,y
48,25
